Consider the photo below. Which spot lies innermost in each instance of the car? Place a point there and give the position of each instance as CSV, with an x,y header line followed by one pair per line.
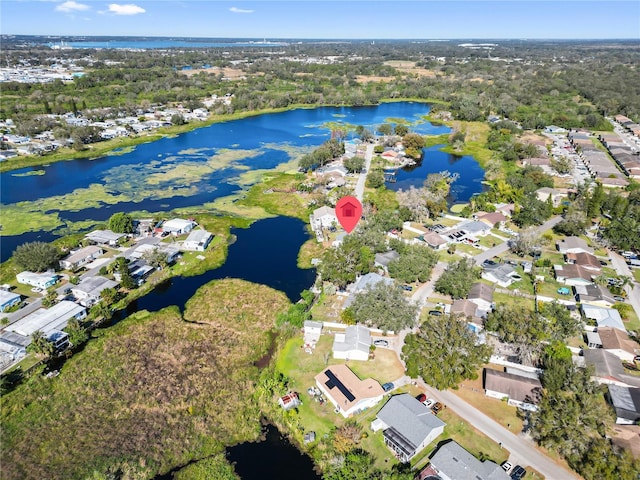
x,y
518,472
429,402
36,290
603,263
435,313
421,397
381,343
489,263
436,408
408,288
506,466
387,387
618,298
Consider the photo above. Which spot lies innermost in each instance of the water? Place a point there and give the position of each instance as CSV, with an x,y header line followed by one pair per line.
x,y
433,161
274,457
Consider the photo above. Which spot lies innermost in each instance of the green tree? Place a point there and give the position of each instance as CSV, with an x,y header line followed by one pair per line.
x,y
36,256
354,164
401,129
385,129
562,324
121,223
341,265
458,278
375,178
40,345
413,144
156,257
372,307
444,352
414,265
77,333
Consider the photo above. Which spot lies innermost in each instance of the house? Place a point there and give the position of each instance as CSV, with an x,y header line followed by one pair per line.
x,y
104,237
482,295
604,317
502,275
346,391
618,342
88,291
573,245
312,332
608,368
452,462
323,217
434,240
492,219
626,403
40,280
554,129
464,307
384,259
178,226
8,300
407,425
44,320
584,260
627,437
557,195
81,257
59,339
475,228
573,275
144,249
353,344
289,401
521,392
594,295
197,241
365,283
506,209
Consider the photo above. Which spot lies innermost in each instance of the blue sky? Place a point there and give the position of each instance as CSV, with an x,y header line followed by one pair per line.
x,y
418,19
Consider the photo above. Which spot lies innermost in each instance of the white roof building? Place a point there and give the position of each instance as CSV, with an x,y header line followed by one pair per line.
x,y
605,317
47,320
197,241
178,226
353,344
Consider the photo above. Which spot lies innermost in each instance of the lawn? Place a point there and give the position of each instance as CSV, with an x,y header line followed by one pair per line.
x,y
636,274
513,300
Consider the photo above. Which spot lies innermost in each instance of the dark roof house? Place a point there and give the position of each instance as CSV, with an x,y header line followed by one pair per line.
x,y
523,392
626,402
451,461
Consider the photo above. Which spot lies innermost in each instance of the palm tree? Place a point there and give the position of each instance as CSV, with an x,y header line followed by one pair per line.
x,y
40,345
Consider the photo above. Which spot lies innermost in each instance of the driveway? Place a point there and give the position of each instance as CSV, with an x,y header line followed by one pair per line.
x,y
633,292
359,193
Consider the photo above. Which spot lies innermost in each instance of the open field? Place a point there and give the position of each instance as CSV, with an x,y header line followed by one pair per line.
x,y
149,394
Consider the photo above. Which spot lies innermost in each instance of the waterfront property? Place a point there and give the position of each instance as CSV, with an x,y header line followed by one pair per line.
x,y
38,280
81,257
452,462
353,344
197,241
178,226
407,425
104,237
346,391
88,291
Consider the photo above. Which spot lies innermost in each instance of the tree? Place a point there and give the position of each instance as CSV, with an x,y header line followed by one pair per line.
x,y
156,258
354,164
375,178
401,129
458,278
385,307
527,242
40,345
444,352
385,129
414,265
178,119
121,223
562,165
77,333
562,324
413,144
341,265
37,256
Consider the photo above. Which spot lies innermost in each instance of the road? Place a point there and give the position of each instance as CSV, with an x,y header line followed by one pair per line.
x,y
522,450
363,175
633,291
503,247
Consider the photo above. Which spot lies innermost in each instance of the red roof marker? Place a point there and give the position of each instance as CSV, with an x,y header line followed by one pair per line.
x,y
348,212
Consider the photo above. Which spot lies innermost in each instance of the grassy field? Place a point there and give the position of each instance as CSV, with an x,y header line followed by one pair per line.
x,y
151,393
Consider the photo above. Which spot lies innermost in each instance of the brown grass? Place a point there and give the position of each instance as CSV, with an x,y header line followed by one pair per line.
x,y
231,73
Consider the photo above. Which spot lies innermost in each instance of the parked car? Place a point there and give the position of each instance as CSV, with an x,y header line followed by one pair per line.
x,y
435,313
429,402
387,387
436,408
421,397
618,298
381,343
489,263
36,290
506,466
408,288
518,472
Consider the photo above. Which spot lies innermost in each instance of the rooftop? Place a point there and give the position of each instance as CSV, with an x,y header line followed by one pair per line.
x,y
345,387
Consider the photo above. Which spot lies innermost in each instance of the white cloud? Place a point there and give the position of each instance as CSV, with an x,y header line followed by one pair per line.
x,y
129,9
71,6
239,10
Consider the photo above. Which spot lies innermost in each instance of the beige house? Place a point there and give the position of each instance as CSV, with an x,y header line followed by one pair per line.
x,y
346,391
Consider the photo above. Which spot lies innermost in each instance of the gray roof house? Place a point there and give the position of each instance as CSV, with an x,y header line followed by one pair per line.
x,y
384,259
104,237
476,228
573,245
502,275
88,291
464,307
522,392
366,282
353,344
626,402
81,257
594,295
452,462
604,317
408,426
482,295
608,368
197,241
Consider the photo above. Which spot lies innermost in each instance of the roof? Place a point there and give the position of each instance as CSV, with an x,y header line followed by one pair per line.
x,y
356,337
346,388
35,276
198,236
322,211
177,224
615,339
410,418
605,317
312,324
481,291
523,389
474,227
627,437
492,218
46,320
570,243
609,367
465,307
370,280
585,259
387,257
626,398
104,236
502,273
570,271
7,297
94,285
456,463
594,293
433,239
82,254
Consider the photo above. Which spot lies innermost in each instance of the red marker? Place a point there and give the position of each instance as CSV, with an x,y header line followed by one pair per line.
x,y
348,212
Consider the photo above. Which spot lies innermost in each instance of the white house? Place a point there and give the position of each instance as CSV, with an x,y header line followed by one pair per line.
x,y
88,291
604,317
40,280
81,257
502,275
573,245
408,426
312,332
47,320
323,217
8,300
104,237
482,295
178,226
197,241
353,344
452,462
346,391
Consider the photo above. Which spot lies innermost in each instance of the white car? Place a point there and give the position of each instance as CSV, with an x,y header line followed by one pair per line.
x,y
36,290
506,466
429,402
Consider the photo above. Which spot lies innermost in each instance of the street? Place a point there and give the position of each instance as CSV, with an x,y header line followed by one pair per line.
x,y
362,179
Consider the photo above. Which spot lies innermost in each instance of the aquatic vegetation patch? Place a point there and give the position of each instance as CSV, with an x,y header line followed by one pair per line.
x,y
28,174
230,205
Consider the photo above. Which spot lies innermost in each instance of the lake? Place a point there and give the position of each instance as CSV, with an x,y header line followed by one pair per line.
x,y
188,170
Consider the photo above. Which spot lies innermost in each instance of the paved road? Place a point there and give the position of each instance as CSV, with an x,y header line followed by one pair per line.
x,y
633,292
503,247
363,175
522,450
